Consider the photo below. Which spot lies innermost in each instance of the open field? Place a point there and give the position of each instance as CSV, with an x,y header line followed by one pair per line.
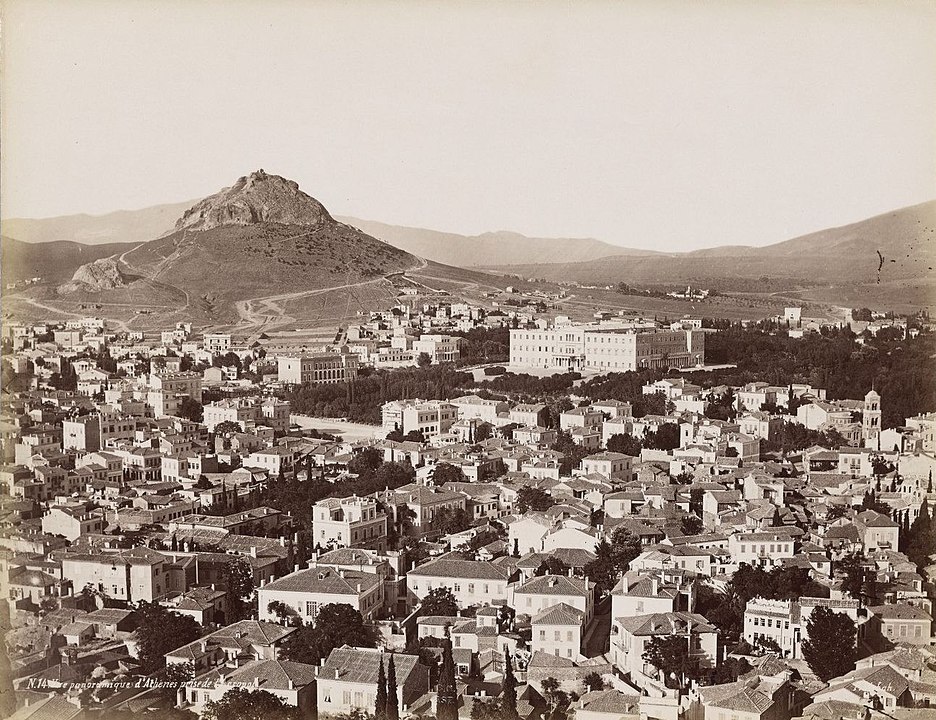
x,y
349,431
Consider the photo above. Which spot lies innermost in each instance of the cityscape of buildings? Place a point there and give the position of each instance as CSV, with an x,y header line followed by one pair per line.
x,y
174,532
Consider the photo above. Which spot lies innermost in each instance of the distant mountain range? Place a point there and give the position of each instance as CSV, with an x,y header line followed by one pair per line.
x,y
122,226
898,246
491,248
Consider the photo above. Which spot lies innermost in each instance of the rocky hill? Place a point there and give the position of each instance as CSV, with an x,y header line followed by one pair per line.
x,y
97,276
253,199
258,239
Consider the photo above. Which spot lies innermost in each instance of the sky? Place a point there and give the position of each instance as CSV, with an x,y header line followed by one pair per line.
x,y
663,125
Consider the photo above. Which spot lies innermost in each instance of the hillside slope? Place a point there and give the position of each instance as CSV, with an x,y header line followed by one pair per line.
x,y
54,262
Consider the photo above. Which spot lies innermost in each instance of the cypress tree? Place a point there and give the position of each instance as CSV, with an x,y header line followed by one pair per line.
x,y
447,703
509,701
380,711
393,704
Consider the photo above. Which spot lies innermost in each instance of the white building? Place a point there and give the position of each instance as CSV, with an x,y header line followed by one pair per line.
x,y
321,369
601,347
440,348
349,522
430,417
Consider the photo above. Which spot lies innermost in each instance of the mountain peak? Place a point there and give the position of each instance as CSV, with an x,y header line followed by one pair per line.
x,y
255,198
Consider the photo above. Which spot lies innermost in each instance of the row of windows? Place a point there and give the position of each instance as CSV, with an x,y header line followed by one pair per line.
x,y
763,548
769,622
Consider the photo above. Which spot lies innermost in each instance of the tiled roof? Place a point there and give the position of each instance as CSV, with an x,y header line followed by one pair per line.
x,y
244,633
749,696
449,568
55,707
666,623
610,701
554,585
360,665
273,675
560,614
326,580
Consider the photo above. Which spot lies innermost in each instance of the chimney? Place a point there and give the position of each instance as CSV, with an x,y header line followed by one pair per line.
x,y
337,673
290,684
359,588
296,567
256,682
625,583
655,586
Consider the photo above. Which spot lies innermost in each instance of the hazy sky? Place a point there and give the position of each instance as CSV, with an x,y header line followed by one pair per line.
x,y
650,124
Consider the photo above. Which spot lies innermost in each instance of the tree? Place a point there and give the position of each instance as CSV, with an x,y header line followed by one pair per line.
x,y
393,703
439,601
665,438
452,520
921,539
366,461
335,625
627,444
670,655
447,704
572,452
509,696
176,675
380,708
830,648
593,681
190,409
282,611
161,631
604,568
446,472
239,578
484,431
730,670
532,498
691,525
490,709
226,427
241,704
423,360
552,566
852,565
